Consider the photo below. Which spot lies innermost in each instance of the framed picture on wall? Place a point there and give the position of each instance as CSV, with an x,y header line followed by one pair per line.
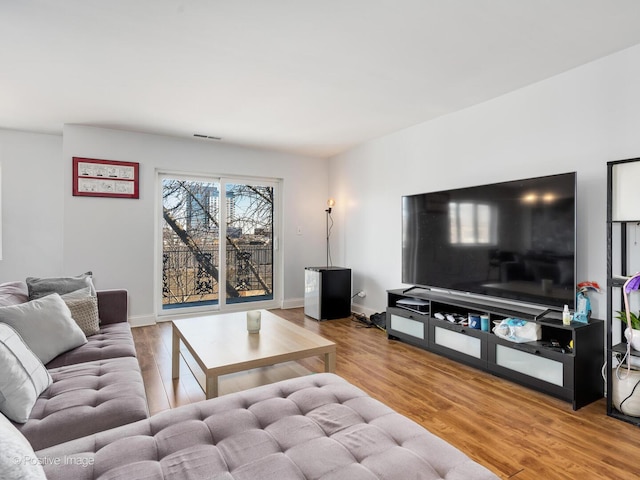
x,y
105,178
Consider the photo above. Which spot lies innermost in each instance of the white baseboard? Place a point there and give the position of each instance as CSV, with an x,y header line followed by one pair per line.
x,y
362,309
293,303
142,320
299,302
146,320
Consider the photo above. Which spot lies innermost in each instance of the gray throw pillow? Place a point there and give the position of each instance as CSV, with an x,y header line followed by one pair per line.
x,y
77,294
45,325
40,287
18,461
23,376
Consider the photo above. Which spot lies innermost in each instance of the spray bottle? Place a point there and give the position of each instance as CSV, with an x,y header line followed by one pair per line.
x,y
566,316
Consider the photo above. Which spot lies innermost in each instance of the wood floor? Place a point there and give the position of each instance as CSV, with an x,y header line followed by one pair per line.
x,y
515,432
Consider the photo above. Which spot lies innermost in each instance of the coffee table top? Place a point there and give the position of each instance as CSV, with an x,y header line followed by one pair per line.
x,y
220,341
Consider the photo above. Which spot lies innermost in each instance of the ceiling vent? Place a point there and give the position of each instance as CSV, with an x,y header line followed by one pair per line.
x,y
208,137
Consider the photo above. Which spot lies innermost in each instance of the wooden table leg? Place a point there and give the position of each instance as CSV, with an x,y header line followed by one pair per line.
x,y
212,386
175,354
330,362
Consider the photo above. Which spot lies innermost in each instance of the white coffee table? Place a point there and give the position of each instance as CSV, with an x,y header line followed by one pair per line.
x,y
220,344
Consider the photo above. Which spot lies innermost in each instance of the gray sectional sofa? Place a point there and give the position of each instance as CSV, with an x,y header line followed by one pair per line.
x,y
95,386
313,427
91,422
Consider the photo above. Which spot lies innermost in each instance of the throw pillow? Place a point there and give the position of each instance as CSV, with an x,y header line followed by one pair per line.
x,y
82,293
23,377
45,325
85,313
18,461
40,287
13,293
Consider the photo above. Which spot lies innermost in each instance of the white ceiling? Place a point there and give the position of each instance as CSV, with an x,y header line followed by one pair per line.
x,y
312,77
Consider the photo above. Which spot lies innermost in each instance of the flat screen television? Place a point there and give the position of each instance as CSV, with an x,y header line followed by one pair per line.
x,y
515,241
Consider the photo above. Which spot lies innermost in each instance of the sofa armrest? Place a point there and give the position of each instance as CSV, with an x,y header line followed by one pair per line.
x,y
112,306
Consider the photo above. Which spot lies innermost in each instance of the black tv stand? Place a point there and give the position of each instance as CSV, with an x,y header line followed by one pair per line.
x,y
415,287
545,313
548,365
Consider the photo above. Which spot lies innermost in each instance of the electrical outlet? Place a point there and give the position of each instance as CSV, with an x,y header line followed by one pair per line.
x,y
361,294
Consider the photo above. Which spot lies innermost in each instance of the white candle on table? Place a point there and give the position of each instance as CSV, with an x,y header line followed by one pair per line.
x,y
253,321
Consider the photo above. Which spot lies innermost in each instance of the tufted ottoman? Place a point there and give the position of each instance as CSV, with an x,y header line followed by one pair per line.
x,y
314,427
86,398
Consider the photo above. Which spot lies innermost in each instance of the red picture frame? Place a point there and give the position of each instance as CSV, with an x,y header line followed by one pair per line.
x,y
105,178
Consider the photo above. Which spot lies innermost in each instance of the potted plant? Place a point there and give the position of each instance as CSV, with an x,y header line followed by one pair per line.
x,y
634,319
624,394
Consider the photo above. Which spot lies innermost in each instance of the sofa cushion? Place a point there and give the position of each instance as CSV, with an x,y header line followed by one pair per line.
x,y
13,293
318,426
84,311
86,398
45,325
112,341
41,287
23,377
18,461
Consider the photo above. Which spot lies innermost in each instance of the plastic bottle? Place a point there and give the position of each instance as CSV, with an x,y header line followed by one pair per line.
x,y
566,316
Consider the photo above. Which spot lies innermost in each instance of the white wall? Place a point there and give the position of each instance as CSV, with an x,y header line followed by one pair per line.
x,y
115,237
576,121
48,232
32,205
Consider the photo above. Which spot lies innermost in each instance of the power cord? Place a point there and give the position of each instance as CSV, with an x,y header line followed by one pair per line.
x,y
362,320
329,228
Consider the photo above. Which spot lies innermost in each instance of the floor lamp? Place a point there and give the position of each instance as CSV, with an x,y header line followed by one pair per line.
x,y
330,203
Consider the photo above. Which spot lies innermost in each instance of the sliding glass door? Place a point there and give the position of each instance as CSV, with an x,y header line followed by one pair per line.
x,y
249,242
217,242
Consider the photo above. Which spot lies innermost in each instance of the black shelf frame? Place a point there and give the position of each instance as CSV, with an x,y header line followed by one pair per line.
x,y
614,287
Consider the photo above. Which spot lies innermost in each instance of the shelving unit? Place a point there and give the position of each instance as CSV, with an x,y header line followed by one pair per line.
x,y
621,187
573,375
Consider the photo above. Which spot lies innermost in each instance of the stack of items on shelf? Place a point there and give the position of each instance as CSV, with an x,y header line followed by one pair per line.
x,y
626,380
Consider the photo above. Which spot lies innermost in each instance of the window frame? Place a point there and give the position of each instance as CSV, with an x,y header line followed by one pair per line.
x,y
222,305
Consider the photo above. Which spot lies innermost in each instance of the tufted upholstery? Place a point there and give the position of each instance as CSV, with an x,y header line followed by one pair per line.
x,y
112,341
314,427
96,386
85,399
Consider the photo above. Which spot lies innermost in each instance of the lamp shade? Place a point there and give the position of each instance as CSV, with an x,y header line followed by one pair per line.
x,y
625,200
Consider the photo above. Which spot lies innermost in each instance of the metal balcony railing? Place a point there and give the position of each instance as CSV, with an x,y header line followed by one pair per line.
x,y
185,282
